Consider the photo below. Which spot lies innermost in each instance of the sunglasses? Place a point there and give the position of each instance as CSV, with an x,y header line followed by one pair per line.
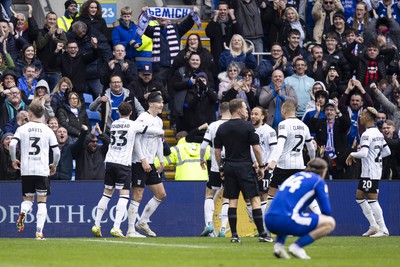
x,y
328,3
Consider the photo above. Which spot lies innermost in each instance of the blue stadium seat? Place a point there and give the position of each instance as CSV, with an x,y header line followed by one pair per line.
x,y
94,117
88,99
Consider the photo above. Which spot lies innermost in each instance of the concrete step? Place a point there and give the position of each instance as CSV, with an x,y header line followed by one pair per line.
x,y
169,133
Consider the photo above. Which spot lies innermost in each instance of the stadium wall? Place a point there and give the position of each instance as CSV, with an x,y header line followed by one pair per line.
x,y
71,209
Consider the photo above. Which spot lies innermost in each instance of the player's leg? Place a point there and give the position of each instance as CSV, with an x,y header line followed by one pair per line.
x,y
42,190
137,195
361,195
28,194
279,247
326,224
314,207
151,206
378,215
120,212
224,217
138,182
208,212
100,210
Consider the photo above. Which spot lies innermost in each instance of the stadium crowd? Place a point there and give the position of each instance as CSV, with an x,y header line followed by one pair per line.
x,y
333,58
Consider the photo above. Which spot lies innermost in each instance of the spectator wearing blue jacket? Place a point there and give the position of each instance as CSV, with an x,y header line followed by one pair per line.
x,y
239,52
125,33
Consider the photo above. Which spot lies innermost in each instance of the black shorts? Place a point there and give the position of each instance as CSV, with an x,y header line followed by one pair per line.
x,y
141,178
280,175
39,185
264,183
368,186
118,176
240,176
214,181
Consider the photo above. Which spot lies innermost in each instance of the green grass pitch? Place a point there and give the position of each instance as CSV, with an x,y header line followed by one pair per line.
x,y
193,251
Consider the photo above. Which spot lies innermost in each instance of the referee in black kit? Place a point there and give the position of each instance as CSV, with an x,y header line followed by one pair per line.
x,y
238,172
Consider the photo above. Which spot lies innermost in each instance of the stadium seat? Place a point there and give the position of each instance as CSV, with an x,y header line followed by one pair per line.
x,y
94,117
88,99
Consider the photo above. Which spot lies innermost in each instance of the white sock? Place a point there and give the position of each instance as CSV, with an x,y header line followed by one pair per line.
x,y
132,212
366,209
150,208
249,210
120,210
263,207
41,216
26,206
314,207
101,208
208,211
378,215
224,214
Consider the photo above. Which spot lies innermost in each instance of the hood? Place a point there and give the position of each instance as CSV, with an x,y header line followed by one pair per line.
x,y
43,83
323,88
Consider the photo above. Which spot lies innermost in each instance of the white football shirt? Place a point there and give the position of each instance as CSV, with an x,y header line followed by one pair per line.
x,y
151,144
35,140
292,135
268,141
373,149
122,137
209,136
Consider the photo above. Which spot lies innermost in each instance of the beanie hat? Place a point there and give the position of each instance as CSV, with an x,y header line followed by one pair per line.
x,y
339,14
5,136
68,3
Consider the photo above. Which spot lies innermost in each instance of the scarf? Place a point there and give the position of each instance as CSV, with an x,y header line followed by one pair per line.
x,y
12,112
278,99
172,39
353,132
173,13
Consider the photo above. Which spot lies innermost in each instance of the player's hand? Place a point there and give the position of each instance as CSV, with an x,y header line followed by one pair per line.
x,y
146,166
160,168
260,173
16,164
350,160
53,169
203,164
221,174
271,166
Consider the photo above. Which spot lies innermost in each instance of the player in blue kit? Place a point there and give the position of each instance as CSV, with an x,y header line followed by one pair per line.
x,y
286,214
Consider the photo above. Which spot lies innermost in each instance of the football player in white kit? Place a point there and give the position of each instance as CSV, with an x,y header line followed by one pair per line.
x,y
35,140
288,155
214,183
123,135
373,149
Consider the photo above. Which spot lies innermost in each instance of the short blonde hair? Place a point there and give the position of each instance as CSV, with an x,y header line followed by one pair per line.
x,y
126,11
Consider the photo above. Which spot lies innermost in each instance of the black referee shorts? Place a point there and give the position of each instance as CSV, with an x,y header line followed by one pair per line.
x,y
240,176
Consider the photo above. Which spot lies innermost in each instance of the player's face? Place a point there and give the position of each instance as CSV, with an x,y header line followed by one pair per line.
x,y
363,117
256,117
157,106
356,102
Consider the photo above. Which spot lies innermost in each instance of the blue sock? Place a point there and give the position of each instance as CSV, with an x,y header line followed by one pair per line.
x,y
304,240
280,239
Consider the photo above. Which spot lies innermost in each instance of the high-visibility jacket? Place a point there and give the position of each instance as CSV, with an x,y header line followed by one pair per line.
x,y
186,157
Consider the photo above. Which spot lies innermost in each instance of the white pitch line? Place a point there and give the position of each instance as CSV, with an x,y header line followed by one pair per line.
x,y
142,243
